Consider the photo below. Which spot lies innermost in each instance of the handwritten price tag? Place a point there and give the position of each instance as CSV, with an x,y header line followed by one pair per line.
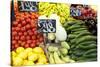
x,y
28,6
47,25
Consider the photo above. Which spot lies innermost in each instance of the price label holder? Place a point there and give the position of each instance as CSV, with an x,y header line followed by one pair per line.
x,y
28,6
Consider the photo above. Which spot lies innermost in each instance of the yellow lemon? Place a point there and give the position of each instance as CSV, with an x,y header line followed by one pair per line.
x,y
42,60
33,57
17,61
19,49
30,53
22,55
38,50
28,63
27,50
13,53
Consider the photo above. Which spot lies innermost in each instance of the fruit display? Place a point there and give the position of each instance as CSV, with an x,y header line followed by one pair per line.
x,y
28,56
55,33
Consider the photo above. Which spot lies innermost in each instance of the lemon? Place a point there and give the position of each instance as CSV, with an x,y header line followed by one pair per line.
x,y
38,50
23,55
17,61
27,62
42,60
27,50
19,49
33,57
30,53
13,53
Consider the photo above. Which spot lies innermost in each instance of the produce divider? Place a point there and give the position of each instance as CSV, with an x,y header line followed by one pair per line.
x,y
52,33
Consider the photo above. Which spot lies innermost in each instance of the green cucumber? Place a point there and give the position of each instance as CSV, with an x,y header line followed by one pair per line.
x,y
79,29
86,38
90,51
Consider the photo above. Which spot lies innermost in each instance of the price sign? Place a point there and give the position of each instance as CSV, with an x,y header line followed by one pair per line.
x,y
47,25
28,6
75,11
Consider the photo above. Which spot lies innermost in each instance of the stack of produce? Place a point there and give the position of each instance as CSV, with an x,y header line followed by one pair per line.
x,y
83,44
28,56
59,55
61,9
24,30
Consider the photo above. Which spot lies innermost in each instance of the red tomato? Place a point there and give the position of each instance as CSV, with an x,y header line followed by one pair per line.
x,y
26,45
28,20
35,32
14,41
29,41
20,33
28,37
23,29
16,45
15,23
30,33
13,29
37,42
22,38
34,29
25,33
27,26
19,25
16,37
33,37
19,42
22,44
14,33
32,45
41,39
23,23
17,29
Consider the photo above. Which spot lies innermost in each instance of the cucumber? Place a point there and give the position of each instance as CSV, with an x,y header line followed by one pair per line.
x,y
85,43
89,46
83,34
86,38
79,29
90,55
71,36
75,27
90,51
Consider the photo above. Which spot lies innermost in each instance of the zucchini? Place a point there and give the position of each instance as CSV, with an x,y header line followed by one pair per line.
x,y
87,42
79,29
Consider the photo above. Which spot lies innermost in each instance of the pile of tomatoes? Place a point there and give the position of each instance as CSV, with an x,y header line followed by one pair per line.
x,y
24,30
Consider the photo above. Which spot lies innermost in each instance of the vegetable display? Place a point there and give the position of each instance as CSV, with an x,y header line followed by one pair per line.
x,y
74,38
83,44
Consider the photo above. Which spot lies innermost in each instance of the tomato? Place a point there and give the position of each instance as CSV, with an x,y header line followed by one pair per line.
x,y
32,45
13,29
16,45
29,41
22,44
23,22
26,45
28,20
28,37
23,29
35,32
19,42
34,29
30,32
22,38
19,25
17,29
33,37
14,33
28,26
16,37
14,41
15,23
41,39
20,33
25,33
